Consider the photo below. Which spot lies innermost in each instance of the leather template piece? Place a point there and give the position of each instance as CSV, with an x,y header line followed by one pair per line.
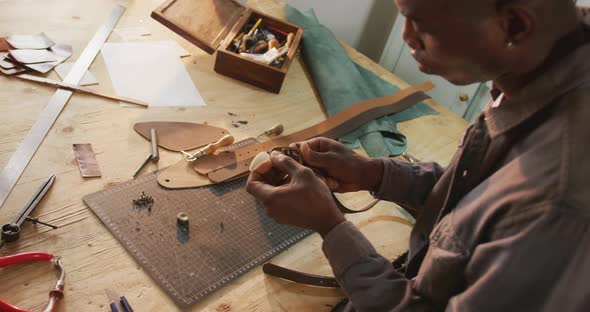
x,y
179,136
333,127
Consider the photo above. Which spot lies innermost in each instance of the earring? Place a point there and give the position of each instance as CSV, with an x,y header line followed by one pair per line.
x,y
510,45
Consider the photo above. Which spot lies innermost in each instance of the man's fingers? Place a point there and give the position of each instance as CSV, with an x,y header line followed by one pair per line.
x,y
318,159
332,184
270,174
285,163
258,187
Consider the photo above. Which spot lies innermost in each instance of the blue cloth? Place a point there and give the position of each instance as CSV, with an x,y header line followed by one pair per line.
x,y
342,83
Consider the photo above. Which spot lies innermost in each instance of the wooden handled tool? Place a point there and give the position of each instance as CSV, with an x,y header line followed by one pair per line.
x,y
226,140
76,88
275,130
154,140
249,35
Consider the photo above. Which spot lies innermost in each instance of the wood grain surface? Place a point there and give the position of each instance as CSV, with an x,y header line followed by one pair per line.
x,y
93,258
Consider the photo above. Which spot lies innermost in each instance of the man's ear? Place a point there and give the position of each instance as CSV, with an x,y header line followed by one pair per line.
x,y
518,23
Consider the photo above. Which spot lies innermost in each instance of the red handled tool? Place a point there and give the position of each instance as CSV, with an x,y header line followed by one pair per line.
x,y
55,294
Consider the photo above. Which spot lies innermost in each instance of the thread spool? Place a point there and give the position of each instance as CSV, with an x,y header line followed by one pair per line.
x,y
182,219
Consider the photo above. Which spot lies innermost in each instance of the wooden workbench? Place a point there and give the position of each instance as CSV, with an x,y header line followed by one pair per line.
x,y
93,258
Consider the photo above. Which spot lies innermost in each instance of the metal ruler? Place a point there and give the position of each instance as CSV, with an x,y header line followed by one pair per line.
x,y
25,151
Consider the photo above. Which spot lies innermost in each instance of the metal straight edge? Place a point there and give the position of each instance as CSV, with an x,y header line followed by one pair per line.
x,y
25,151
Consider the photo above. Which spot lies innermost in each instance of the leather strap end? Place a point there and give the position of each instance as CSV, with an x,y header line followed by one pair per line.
x,y
299,277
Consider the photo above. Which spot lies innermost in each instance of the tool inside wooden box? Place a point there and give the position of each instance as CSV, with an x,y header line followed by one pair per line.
x,y
212,25
262,42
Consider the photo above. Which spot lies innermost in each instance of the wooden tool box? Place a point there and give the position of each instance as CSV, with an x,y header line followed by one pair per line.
x,y
213,24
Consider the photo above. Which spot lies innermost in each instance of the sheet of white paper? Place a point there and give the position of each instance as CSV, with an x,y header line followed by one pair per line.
x,y
63,69
154,75
132,33
171,43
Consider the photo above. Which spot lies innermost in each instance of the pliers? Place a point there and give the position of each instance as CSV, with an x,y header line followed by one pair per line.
x,y
55,294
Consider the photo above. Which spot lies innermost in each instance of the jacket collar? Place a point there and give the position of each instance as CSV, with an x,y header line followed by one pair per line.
x,y
566,69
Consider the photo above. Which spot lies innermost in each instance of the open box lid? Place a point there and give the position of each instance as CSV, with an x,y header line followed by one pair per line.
x,y
205,23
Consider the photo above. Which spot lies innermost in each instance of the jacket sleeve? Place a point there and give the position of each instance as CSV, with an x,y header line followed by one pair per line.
x,y
368,278
541,267
516,272
408,184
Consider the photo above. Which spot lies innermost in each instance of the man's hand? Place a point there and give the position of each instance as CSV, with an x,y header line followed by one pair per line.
x,y
293,194
343,169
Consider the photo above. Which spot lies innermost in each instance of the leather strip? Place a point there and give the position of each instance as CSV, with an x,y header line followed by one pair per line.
x,y
333,127
299,277
346,210
182,174
307,278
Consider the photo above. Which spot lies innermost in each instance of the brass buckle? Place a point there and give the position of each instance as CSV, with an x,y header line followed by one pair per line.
x,y
290,151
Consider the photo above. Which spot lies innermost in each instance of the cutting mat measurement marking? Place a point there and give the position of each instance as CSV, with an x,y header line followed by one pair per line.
x,y
189,270
240,144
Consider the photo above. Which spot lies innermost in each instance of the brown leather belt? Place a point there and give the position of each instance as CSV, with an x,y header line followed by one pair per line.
x,y
228,165
306,278
299,277
232,164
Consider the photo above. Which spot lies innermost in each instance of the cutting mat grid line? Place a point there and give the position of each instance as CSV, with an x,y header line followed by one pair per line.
x,y
229,233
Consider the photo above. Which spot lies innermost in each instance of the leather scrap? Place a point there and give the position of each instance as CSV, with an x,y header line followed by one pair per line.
x,y
333,127
29,56
4,45
12,71
86,161
61,52
180,136
37,41
4,63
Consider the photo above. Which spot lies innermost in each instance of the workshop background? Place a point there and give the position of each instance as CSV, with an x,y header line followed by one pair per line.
x,y
374,27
